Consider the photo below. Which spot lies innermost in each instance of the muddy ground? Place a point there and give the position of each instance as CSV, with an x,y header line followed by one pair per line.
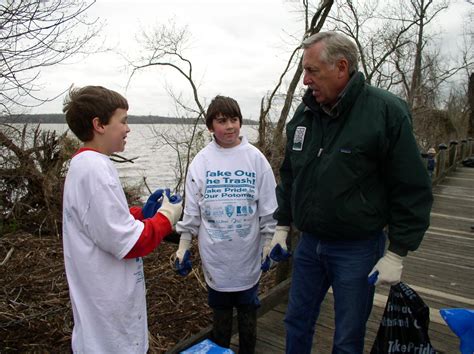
x,y
35,311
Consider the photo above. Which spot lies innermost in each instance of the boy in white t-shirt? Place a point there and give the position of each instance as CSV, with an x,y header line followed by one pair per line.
x,y
230,200
103,239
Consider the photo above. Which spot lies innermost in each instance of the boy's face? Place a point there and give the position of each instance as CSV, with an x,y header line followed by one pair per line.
x,y
226,130
115,132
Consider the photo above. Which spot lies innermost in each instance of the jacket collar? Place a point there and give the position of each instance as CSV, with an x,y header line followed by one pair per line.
x,y
345,99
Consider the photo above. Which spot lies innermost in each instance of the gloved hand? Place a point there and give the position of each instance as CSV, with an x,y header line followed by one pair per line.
x,y
183,264
152,204
279,251
388,270
266,261
175,198
172,211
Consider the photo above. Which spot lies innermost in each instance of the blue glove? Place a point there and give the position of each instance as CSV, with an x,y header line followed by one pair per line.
x,y
278,248
266,264
278,254
373,277
175,198
152,204
185,266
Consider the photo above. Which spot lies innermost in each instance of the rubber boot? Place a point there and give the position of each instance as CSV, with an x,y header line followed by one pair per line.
x,y
247,322
222,327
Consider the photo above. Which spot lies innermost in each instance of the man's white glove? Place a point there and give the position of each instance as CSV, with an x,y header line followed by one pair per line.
x,y
278,250
388,270
172,211
182,264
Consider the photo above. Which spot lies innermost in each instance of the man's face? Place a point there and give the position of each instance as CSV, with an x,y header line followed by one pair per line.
x,y
326,80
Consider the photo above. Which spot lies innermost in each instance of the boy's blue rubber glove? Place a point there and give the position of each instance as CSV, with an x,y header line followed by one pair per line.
x,y
175,198
183,264
152,204
279,251
279,254
266,264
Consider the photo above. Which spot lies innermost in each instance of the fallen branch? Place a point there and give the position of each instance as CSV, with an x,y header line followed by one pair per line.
x,y
121,159
7,256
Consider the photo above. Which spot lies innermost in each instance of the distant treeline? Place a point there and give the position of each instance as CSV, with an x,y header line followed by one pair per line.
x,y
60,119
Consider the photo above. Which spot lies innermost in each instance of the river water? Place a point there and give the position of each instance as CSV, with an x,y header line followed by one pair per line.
x,y
156,160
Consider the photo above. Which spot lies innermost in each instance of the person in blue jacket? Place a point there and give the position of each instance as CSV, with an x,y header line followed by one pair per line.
x,y
351,168
431,162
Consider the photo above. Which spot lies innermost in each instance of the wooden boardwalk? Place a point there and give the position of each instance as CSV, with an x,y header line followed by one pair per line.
x,y
441,271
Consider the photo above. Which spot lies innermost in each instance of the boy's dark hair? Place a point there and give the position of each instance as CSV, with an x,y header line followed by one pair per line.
x,y
226,106
82,105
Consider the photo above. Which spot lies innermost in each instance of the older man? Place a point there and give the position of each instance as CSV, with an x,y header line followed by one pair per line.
x,y
351,167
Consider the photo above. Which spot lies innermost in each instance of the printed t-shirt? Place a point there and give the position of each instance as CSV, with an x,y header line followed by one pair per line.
x,y
230,188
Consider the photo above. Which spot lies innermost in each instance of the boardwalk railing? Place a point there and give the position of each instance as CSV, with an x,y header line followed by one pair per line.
x,y
448,157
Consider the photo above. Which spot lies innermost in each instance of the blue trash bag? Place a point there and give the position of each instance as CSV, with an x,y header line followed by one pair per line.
x,y
461,322
207,346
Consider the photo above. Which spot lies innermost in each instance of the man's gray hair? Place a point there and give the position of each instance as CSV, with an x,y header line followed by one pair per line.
x,y
337,46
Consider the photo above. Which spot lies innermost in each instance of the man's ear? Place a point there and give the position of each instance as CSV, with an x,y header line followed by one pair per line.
x,y
343,68
97,125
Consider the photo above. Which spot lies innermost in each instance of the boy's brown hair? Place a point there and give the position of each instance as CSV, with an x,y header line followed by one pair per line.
x,y
82,105
226,106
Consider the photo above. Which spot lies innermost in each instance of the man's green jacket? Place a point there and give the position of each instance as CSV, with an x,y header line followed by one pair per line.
x,y
352,171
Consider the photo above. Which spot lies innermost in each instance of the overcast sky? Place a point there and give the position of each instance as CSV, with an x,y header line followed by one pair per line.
x,y
238,49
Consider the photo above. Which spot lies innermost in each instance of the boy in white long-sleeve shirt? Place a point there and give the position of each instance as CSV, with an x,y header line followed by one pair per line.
x,y
230,200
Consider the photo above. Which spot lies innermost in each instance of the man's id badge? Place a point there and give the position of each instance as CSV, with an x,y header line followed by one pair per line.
x,y
298,138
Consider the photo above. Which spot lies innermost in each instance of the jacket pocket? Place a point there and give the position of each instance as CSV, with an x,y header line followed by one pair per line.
x,y
363,206
319,186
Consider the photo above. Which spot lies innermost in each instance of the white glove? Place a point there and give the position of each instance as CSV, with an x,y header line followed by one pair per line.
x,y
389,269
279,237
172,211
184,245
266,245
278,250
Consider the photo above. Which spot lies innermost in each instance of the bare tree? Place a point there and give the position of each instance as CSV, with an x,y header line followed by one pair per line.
x,y
376,39
34,35
396,45
470,130
272,142
398,52
164,47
